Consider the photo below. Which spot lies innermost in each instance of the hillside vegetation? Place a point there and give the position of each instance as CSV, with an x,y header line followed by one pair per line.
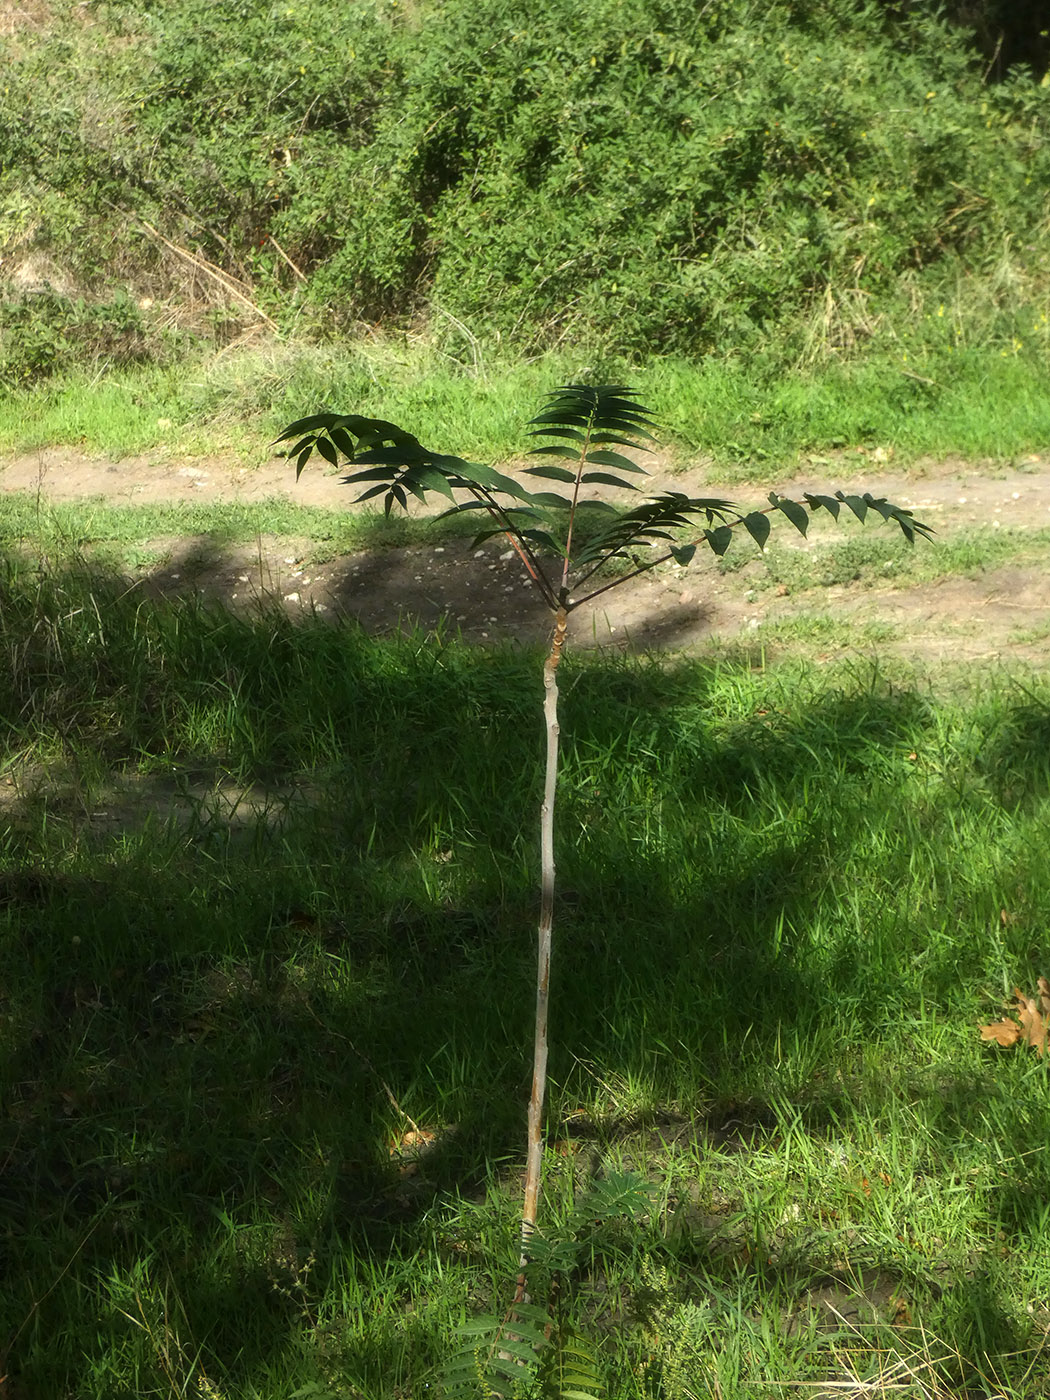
x,y
636,177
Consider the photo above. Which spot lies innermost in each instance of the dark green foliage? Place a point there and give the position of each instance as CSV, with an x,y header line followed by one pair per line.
x,y
582,534
46,332
535,1350
637,175
1008,33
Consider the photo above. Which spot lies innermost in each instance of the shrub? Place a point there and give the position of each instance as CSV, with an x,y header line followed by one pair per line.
x,y
45,332
648,174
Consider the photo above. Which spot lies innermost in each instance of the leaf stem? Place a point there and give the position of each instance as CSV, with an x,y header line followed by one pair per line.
x,y
575,498
521,545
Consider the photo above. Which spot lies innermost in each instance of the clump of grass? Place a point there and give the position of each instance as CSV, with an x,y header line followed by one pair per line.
x,y
822,630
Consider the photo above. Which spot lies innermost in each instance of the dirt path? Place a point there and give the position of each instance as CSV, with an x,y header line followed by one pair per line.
x,y
996,613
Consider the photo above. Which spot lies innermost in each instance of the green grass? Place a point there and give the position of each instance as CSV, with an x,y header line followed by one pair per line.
x,y
252,872
752,418
132,536
824,632
869,558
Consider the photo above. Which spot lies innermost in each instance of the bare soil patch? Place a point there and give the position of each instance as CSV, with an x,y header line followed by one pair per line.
x,y
481,594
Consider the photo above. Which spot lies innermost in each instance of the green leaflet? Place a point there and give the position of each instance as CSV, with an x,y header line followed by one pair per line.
x,y
617,459
570,454
857,504
607,479
757,526
551,473
798,515
570,433
343,441
603,438
719,539
304,425
828,503
294,451
567,417
328,451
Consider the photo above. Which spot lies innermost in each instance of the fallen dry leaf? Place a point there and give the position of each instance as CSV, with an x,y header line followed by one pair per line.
x,y
1032,1023
412,1144
1004,1033
566,1147
901,1312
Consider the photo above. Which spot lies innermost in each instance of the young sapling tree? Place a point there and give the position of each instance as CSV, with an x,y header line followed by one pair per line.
x,y
565,541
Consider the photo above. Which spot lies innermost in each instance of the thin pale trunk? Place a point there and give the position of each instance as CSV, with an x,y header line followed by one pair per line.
x,y
534,1161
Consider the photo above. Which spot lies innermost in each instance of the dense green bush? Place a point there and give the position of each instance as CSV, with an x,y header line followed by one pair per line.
x,y
671,177
46,332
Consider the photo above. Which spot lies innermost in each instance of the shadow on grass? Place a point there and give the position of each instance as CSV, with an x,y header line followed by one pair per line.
x,y
394,576
204,1003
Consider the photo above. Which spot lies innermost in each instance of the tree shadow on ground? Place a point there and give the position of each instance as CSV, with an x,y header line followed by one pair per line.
x,y
205,1015
438,583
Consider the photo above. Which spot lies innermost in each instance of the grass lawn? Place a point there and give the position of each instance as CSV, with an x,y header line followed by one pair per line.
x,y
267,902
751,419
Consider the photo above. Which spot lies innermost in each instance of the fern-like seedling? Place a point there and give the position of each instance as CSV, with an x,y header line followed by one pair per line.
x,y
563,542
534,1351
497,1358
